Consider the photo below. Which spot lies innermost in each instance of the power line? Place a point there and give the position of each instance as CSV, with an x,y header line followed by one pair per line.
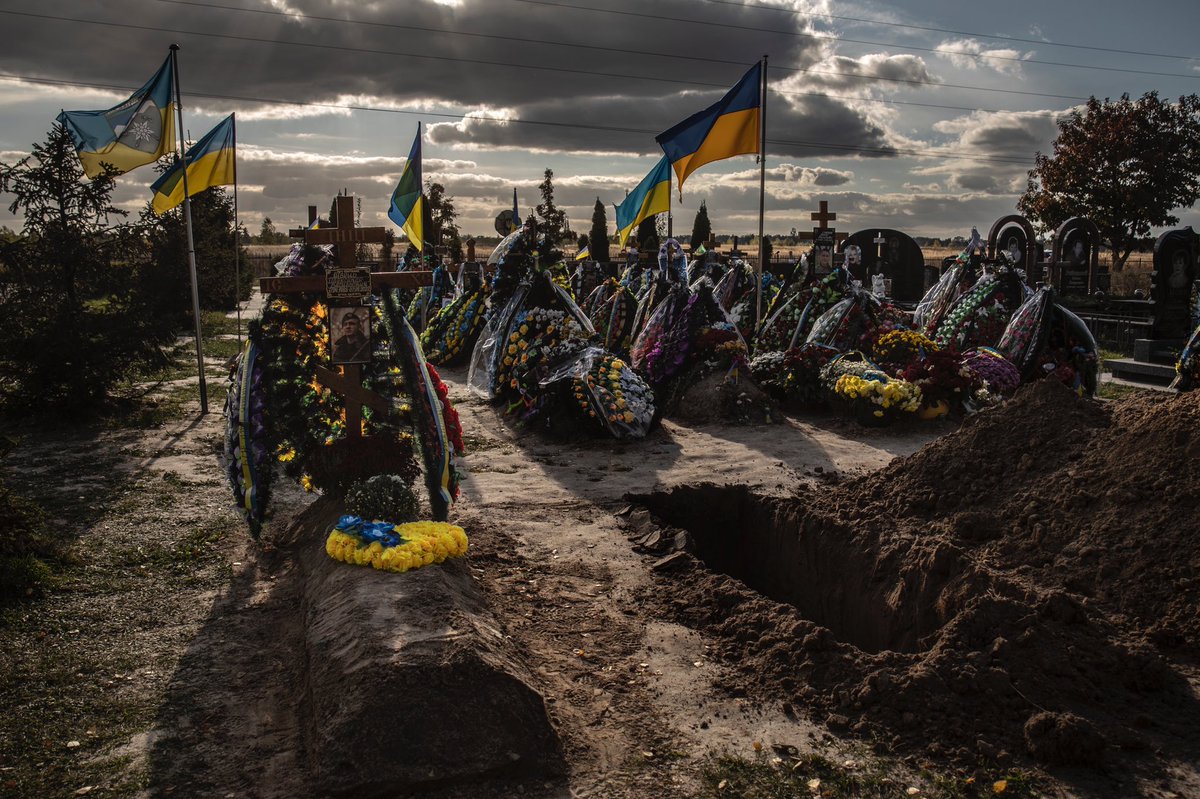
x,y
883,151
566,70
581,46
832,37
954,32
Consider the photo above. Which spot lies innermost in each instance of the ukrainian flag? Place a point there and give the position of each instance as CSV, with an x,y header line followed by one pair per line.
x,y
408,204
210,162
652,196
583,254
727,128
136,132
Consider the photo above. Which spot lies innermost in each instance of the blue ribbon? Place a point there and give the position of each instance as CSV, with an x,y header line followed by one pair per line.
x,y
383,532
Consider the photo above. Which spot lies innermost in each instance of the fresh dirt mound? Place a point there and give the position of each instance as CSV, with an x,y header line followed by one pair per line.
x,y
1008,590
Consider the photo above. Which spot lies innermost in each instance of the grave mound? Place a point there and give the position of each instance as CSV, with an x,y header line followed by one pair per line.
x,y
1020,587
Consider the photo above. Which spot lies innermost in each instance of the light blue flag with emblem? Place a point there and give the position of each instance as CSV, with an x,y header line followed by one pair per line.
x,y
133,133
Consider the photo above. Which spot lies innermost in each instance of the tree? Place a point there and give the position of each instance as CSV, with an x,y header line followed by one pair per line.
x,y
701,228
169,285
73,302
598,238
267,234
646,235
554,220
1125,165
444,230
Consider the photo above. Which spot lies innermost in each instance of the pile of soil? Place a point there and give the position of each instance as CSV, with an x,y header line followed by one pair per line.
x,y
1025,588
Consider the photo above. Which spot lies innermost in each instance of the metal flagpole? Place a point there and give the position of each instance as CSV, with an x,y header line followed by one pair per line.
x,y
237,244
187,214
762,186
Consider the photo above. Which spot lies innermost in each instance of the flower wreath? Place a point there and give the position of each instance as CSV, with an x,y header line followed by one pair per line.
x,y
394,548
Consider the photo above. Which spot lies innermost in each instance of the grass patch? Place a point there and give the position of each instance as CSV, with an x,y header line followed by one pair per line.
x,y
150,411
788,776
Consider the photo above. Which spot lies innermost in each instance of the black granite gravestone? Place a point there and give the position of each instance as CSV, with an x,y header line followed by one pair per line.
x,y
1076,257
896,256
1175,270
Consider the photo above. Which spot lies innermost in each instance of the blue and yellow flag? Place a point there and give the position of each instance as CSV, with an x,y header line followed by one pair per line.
x,y
136,132
408,204
583,254
652,196
726,128
210,162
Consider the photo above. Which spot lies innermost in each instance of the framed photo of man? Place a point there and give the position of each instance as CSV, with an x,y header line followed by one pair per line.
x,y
350,335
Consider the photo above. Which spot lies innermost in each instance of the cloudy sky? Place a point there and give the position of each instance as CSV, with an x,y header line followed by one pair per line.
x,y
923,115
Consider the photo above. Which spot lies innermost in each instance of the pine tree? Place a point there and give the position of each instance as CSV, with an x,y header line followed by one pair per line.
x,y
598,238
554,220
647,234
701,228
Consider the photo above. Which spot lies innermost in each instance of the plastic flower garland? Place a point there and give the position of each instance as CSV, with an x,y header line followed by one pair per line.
x,y
899,394
394,548
793,376
247,451
994,370
847,325
613,395
942,377
455,327
308,420
902,347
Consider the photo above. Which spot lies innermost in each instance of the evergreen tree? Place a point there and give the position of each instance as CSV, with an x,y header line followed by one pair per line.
x,y
442,215
554,224
598,238
701,228
646,234
73,299
214,241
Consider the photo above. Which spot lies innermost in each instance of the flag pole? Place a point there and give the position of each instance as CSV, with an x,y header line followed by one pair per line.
x,y
187,214
762,187
237,244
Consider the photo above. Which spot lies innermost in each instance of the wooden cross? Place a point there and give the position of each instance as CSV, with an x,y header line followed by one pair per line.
x,y
345,235
822,217
348,381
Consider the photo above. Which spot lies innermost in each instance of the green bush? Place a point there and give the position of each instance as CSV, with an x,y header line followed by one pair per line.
x,y
384,497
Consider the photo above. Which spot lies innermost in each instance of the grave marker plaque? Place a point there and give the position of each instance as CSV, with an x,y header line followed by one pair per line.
x,y
344,284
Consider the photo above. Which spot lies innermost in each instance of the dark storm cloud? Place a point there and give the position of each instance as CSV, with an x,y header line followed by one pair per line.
x,y
261,56
799,127
289,57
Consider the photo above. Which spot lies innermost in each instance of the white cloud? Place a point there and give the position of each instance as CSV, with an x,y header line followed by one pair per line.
x,y
973,55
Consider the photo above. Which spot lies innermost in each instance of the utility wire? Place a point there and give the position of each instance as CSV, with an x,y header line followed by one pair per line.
x,y
801,35
953,32
879,151
567,70
580,46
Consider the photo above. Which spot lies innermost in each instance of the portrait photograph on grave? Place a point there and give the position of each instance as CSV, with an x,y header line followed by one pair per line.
x,y
350,335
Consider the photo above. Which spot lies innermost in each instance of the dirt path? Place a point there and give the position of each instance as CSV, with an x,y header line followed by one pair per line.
x,y
176,649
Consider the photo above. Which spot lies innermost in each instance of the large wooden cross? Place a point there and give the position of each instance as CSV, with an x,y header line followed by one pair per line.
x,y
348,381
822,217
